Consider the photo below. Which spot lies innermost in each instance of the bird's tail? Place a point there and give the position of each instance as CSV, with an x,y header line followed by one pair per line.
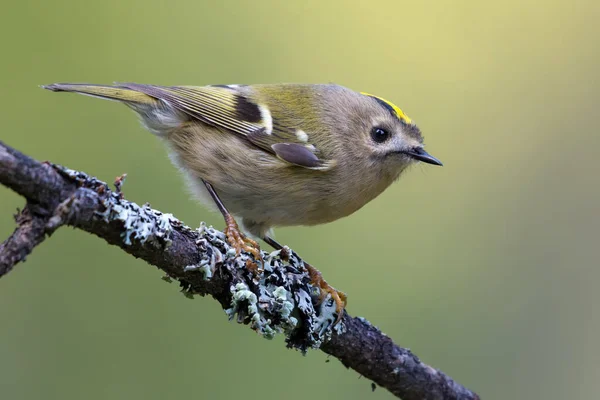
x,y
117,93
156,115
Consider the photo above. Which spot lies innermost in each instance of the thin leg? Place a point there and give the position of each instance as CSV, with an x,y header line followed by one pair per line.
x,y
235,237
273,243
216,198
316,279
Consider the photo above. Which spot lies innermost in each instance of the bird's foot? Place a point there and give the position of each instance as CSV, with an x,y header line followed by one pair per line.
x,y
240,243
340,298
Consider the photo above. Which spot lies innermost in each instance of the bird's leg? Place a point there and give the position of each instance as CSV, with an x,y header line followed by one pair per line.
x,y
273,243
316,279
235,237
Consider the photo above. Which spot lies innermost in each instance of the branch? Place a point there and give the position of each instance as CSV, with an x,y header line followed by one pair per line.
x,y
280,301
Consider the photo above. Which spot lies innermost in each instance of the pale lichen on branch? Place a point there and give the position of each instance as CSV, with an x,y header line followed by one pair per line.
x,y
279,300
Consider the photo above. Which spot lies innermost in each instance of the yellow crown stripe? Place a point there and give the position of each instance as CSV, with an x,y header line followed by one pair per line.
x,y
399,113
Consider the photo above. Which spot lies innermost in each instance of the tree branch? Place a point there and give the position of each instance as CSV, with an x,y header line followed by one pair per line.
x,y
279,301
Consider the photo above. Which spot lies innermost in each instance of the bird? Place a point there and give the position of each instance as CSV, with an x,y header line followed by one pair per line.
x,y
272,155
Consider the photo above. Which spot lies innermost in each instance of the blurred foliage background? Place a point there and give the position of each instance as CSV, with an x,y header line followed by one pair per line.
x,y
486,268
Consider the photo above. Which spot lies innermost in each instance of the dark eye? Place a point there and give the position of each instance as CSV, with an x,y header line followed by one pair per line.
x,y
379,135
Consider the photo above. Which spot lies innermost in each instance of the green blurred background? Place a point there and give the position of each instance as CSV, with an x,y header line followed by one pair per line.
x,y
486,268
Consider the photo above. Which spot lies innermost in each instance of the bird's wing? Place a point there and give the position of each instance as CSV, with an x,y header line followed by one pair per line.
x,y
229,108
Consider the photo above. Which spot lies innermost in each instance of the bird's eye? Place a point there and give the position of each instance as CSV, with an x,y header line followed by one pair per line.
x,y
379,135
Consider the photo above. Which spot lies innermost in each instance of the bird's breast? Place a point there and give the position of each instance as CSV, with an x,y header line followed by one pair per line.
x,y
259,187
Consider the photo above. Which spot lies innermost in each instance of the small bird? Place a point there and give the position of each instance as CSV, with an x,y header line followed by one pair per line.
x,y
276,154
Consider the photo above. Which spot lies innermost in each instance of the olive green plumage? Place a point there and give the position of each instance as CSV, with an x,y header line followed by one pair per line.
x,y
277,155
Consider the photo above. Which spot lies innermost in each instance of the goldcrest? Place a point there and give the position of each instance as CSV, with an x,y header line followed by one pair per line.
x,y
276,155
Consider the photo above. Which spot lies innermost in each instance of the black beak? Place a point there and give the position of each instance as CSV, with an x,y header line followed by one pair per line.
x,y
419,154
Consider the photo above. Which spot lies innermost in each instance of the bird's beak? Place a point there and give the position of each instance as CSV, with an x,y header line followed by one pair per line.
x,y
421,155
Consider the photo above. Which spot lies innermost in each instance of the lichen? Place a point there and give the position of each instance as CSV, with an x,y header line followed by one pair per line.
x,y
279,299
142,224
203,267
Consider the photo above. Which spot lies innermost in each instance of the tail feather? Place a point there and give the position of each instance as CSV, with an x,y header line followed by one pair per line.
x,y
157,116
117,93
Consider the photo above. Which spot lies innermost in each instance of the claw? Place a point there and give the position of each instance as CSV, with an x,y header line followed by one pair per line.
x,y
240,243
340,298
234,236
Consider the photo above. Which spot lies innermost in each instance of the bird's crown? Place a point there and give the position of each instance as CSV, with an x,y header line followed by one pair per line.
x,y
391,107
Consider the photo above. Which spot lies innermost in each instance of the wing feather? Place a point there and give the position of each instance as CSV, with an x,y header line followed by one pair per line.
x,y
228,108
213,105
